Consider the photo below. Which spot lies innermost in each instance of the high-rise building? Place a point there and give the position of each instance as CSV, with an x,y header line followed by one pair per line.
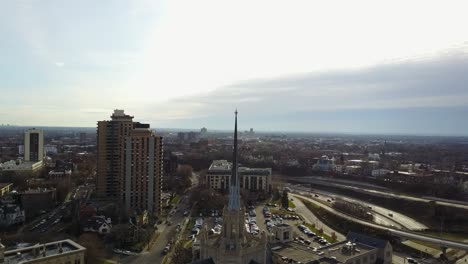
x,y
129,163
233,245
111,136
34,145
143,170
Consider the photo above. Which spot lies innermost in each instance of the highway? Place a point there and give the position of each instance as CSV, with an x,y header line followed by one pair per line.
x,y
381,214
312,219
395,232
373,190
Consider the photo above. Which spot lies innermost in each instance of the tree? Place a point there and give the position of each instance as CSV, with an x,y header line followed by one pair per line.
x,y
181,254
95,250
285,199
184,171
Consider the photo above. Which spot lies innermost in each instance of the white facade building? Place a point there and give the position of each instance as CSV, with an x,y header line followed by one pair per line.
x,y
252,179
19,165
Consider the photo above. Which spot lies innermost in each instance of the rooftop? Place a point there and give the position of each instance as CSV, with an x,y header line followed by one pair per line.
x,y
5,184
225,167
337,253
40,251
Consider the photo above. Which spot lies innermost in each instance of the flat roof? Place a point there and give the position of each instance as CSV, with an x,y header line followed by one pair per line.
x,y
5,184
341,252
35,252
224,167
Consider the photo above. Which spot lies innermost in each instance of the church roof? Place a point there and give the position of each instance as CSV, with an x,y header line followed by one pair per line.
x,y
234,189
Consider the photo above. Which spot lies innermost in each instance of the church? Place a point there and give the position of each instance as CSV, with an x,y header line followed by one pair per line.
x,y
234,245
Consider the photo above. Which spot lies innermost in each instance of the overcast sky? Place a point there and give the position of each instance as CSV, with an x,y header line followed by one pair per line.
x,y
318,66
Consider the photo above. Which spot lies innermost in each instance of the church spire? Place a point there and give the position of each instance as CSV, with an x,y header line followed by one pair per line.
x,y
234,189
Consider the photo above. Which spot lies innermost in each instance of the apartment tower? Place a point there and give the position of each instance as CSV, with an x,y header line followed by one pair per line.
x,y
129,164
143,169
111,136
34,145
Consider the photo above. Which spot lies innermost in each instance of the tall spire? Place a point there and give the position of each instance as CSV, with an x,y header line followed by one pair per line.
x,y
234,189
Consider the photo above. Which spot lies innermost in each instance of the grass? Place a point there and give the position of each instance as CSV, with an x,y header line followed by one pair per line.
x,y
108,261
450,236
176,199
291,204
188,244
190,225
426,244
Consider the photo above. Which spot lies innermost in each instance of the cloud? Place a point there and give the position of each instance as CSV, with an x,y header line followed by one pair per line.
x,y
414,84
59,64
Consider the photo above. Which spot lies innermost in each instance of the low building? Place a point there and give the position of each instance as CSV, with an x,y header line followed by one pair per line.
x,y
283,233
36,200
380,172
384,248
251,179
58,252
59,174
5,188
356,249
11,214
98,224
324,164
19,165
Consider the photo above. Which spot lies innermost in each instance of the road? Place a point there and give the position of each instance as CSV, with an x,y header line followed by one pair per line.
x,y
371,189
155,255
311,218
395,232
381,214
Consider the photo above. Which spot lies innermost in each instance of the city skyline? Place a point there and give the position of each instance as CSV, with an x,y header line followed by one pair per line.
x,y
391,68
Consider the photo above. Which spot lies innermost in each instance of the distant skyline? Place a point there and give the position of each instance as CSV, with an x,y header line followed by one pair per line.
x,y
394,67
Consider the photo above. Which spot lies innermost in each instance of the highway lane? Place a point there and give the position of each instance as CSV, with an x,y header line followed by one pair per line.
x,y
312,219
301,209
381,214
372,190
395,232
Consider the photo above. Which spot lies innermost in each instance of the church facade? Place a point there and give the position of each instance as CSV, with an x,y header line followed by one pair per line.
x,y
234,245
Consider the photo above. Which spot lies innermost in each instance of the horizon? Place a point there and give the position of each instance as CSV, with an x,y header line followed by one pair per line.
x,y
214,130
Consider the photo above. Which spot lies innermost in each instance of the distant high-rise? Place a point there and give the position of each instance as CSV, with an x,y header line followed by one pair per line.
x,y
34,145
129,163
82,137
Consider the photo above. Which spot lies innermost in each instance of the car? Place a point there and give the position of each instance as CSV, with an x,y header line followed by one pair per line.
x,y
316,195
390,214
411,261
166,250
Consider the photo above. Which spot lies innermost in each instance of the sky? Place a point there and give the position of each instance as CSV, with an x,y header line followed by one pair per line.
x,y
310,66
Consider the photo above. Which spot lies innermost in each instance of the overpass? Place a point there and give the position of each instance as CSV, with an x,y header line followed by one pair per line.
x,y
443,243
376,191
